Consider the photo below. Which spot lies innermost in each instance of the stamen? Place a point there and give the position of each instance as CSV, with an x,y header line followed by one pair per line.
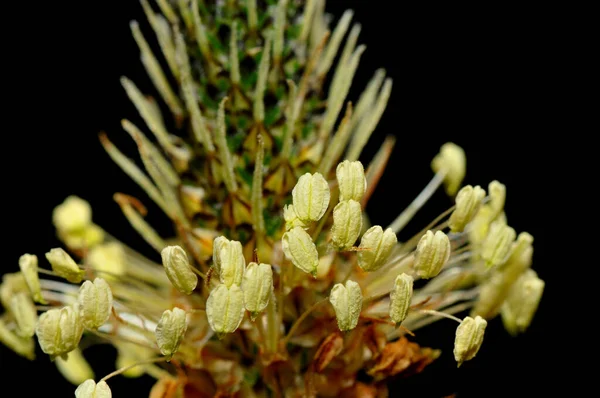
x,y
126,368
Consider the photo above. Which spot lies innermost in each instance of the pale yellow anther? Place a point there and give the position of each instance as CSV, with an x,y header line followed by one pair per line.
x,y
311,197
218,243
299,248
83,238
375,248
520,253
452,160
75,368
89,389
433,252
291,218
498,244
178,269
12,283
522,302
468,201
347,224
108,258
64,266
469,336
20,345
25,314
351,180
400,298
72,215
257,287
170,331
225,308
28,263
233,263
347,303
59,330
497,194
95,303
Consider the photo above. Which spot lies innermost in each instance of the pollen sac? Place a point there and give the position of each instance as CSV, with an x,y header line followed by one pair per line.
x,y
400,298
178,270
64,265
522,302
433,252
218,244
469,336
25,314
95,303
72,215
299,248
20,345
291,218
497,194
75,368
89,389
12,283
347,303
376,245
233,264
347,224
311,197
225,308
28,263
452,159
498,244
351,180
170,331
468,201
108,258
257,286
59,330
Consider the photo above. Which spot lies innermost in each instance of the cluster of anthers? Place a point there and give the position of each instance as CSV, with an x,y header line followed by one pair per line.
x,y
299,291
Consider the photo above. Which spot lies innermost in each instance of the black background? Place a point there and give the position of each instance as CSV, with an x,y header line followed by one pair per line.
x,y
486,78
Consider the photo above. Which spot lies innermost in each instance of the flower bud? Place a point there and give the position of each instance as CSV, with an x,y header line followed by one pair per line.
x,y
400,298
170,330
291,218
497,194
311,197
433,252
347,224
225,308
498,244
232,264
95,303
347,303
452,159
109,258
522,302
469,336
299,248
89,389
20,345
28,263
257,286
25,314
468,201
59,330
75,368
64,265
178,270
375,248
71,215
351,180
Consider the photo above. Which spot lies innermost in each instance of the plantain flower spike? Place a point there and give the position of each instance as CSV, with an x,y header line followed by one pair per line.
x,y
347,224
451,160
522,302
170,331
257,286
299,248
291,218
469,336
64,265
25,314
28,263
75,368
400,298
468,201
351,180
178,269
225,308
347,303
375,247
59,331
498,244
433,252
311,197
74,214
89,389
95,303
232,262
